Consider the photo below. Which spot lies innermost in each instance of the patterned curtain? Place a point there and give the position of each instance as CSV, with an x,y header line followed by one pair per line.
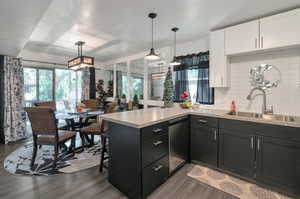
x,y
85,93
14,114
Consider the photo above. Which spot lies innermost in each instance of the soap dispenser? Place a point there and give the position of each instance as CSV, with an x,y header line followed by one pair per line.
x,y
232,108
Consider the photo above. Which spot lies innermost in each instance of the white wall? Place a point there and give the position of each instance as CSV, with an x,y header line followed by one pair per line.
x,y
285,98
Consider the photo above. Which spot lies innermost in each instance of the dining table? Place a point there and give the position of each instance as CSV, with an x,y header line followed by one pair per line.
x,y
76,120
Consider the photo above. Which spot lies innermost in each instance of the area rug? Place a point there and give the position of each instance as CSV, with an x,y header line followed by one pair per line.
x,y
18,162
232,185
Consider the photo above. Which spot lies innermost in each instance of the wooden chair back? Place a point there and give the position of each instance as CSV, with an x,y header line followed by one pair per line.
x,y
48,104
111,108
43,121
92,104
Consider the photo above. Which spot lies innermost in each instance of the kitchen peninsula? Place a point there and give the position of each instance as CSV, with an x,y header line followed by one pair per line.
x,y
147,146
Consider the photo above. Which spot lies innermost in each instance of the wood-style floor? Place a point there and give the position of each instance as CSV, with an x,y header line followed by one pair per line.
x,y
90,184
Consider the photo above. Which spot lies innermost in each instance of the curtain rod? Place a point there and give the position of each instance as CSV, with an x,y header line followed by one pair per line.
x,y
44,62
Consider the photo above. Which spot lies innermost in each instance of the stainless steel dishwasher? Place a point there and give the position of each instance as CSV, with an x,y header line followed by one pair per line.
x,y
178,142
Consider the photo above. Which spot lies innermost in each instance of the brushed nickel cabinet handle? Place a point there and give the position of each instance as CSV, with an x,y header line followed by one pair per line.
x,y
157,143
252,142
157,168
157,130
202,121
262,42
215,134
258,144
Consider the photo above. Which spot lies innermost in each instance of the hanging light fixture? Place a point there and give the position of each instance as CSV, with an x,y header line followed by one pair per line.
x,y
152,55
174,62
80,62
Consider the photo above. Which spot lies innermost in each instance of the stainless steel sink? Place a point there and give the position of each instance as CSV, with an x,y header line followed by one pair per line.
x,y
282,118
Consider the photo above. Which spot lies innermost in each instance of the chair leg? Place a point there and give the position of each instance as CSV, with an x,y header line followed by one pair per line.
x,y
56,147
73,144
35,146
82,139
103,140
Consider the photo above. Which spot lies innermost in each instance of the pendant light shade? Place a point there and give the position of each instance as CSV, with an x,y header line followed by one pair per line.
x,y
174,62
152,55
81,61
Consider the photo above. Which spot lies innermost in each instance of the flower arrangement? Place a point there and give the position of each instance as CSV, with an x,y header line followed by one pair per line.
x,y
81,107
186,103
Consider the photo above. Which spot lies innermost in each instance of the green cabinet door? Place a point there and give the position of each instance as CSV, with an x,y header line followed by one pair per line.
x,y
278,163
237,152
204,144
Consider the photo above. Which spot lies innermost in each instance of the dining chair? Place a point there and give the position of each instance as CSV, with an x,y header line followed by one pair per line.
x,y
101,129
45,132
49,104
52,104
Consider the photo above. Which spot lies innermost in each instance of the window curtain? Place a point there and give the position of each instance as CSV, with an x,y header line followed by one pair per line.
x,y
85,93
181,84
14,101
205,94
200,61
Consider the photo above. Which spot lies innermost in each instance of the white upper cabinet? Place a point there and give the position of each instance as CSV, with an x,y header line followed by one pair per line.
x,y
242,38
218,64
280,30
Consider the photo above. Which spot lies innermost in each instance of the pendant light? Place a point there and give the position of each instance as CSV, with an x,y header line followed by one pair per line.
x,y
81,61
152,55
174,62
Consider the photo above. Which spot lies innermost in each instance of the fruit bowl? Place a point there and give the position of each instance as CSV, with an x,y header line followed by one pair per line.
x,y
185,105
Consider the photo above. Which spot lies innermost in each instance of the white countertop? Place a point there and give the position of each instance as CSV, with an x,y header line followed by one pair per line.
x,y
146,117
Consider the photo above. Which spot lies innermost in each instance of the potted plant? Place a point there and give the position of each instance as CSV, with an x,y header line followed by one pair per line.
x,y
102,95
135,102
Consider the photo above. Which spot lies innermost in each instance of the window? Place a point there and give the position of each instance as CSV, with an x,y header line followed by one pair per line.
x,y
45,85
192,75
67,87
39,86
138,87
192,84
30,85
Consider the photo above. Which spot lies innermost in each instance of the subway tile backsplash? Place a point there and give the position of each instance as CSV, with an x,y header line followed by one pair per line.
x,y
285,98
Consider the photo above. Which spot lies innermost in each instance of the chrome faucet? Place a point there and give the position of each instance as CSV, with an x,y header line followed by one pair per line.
x,y
264,105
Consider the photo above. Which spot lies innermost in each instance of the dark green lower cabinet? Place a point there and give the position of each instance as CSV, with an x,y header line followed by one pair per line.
x,y
154,175
278,163
237,152
204,145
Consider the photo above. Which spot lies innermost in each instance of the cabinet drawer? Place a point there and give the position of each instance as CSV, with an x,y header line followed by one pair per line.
x,y
154,148
154,175
204,121
154,131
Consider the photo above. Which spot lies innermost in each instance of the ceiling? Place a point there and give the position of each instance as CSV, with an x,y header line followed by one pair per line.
x,y
117,28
